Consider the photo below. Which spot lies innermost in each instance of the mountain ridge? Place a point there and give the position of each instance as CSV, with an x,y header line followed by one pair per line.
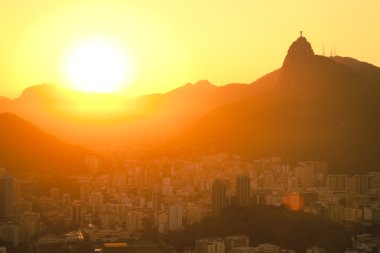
x,y
313,107
145,118
24,148
320,109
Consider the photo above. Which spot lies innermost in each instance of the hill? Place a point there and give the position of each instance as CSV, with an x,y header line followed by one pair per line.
x,y
319,109
100,119
24,148
268,224
369,71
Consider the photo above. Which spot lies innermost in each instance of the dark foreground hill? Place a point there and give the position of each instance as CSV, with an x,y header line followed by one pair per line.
x,y
320,109
268,224
26,149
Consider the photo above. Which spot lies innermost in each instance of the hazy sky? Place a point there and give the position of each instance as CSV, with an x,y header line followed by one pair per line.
x,y
172,42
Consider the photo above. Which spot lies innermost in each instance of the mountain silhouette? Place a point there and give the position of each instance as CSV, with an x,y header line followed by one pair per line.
x,y
321,108
24,148
368,71
147,119
313,107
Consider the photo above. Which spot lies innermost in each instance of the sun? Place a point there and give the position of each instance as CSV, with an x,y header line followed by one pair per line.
x,y
97,65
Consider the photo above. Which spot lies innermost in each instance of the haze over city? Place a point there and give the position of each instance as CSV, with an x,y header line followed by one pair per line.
x,y
189,127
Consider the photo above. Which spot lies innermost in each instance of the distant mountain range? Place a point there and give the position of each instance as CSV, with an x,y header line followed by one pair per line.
x,y
313,107
145,119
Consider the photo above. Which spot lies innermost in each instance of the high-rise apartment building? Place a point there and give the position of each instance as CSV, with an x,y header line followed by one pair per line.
x,y
243,191
78,211
338,183
175,217
218,196
6,196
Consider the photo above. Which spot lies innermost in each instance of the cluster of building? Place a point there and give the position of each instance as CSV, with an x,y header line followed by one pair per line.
x,y
221,245
364,243
18,224
302,186
240,244
167,194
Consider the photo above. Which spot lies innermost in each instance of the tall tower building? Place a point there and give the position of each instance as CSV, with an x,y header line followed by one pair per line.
x,y
243,191
175,217
218,196
6,197
77,212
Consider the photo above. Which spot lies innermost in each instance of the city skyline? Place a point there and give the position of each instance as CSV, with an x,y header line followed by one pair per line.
x,y
189,126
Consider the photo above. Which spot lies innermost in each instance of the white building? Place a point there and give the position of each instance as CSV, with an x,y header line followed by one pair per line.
x,y
210,245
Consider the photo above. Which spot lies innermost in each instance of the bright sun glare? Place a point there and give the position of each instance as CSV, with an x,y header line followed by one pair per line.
x,y
97,65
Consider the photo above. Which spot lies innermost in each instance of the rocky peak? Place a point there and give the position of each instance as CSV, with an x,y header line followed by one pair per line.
x,y
298,52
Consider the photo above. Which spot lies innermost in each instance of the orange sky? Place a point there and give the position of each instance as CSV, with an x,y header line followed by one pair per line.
x,y
172,42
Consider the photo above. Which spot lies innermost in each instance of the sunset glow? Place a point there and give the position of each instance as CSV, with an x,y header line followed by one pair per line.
x,y
97,66
176,42
189,126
